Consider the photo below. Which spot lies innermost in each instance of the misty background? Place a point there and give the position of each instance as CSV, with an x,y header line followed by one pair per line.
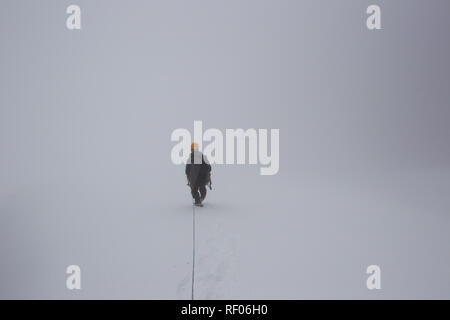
x,y
85,170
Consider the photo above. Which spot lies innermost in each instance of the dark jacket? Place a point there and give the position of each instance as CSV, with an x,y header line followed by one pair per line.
x,y
198,169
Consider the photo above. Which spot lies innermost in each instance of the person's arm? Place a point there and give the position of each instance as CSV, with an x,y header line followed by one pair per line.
x,y
188,171
207,165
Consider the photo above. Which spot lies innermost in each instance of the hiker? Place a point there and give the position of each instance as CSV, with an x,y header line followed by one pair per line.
x,y
198,173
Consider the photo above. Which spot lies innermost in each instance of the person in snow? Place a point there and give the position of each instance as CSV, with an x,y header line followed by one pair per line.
x,y
198,173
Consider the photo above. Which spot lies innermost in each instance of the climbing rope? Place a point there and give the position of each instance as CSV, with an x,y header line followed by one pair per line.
x,y
193,251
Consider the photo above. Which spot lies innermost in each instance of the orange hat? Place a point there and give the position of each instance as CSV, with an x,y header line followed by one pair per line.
x,y
194,146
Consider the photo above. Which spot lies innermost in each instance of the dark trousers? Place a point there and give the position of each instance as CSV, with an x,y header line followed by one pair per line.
x,y
198,197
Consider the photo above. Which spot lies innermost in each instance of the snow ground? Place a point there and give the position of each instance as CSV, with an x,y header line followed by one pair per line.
x,y
316,245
